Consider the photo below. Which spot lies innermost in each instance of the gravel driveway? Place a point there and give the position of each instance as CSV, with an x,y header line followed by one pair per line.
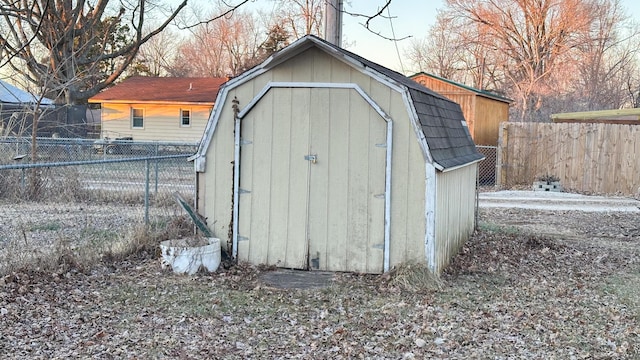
x,y
557,201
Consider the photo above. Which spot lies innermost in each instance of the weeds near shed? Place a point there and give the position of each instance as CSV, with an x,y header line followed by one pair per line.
x,y
494,228
414,277
49,246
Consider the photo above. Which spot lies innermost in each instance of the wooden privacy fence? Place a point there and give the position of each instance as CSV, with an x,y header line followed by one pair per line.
x,y
591,158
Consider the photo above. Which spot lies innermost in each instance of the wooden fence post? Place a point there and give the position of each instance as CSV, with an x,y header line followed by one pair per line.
x,y
501,156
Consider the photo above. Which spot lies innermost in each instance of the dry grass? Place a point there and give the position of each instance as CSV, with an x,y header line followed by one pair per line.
x,y
81,238
414,277
507,295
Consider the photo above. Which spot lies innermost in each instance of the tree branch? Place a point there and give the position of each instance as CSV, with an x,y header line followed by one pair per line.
x,y
231,9
369,18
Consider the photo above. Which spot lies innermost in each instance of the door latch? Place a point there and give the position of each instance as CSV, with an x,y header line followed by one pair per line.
x,y
312,158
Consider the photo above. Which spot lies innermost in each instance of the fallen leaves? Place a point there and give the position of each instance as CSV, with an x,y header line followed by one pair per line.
x,y
507,295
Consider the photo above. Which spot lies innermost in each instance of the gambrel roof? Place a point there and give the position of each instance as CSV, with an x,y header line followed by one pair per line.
x,y
444,134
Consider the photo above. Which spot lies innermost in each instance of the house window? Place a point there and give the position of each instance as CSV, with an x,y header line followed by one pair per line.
x,y
185,117
137,118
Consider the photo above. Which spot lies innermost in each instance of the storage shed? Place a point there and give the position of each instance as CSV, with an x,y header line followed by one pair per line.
x,y
320,159
483,110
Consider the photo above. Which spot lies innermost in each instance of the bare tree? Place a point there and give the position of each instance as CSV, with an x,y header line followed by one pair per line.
x,y
67,42
300,17
439,52
530,39
221,48
155,56
607,59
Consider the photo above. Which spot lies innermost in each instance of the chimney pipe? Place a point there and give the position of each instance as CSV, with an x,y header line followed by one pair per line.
x,y
333,22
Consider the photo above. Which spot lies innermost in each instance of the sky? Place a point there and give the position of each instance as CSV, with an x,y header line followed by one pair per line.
x,y
412,18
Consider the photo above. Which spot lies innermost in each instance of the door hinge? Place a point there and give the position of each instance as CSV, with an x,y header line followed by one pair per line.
x,y
243,191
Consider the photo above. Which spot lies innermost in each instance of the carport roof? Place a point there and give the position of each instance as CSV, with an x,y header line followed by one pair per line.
x,y
12,95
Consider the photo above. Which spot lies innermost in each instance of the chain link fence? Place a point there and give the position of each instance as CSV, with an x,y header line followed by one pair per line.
x,y
487,167
87,196
95,171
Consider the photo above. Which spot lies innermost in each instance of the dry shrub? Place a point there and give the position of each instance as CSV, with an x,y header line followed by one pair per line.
x,y
85,248
144,240
20,254
65,186
10,184
414,277
163,200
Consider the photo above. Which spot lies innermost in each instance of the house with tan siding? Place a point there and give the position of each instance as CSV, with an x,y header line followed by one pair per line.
x,y
164,109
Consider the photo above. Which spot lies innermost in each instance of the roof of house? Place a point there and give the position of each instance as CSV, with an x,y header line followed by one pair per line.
x,y
13,95
483,93
162,89
617,116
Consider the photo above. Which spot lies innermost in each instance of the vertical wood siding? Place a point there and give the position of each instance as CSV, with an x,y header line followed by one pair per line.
x,y
455,211
483,115
408,184
488,116
291,208
592,158
161,122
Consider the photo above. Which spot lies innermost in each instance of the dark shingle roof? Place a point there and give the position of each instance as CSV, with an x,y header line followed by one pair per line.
x,y
163,89
441,119
484,93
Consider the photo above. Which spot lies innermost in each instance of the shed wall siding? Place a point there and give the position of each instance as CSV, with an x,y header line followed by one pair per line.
x,y
408,169
161,122
490,114
332,206
455,211
483,115
215,186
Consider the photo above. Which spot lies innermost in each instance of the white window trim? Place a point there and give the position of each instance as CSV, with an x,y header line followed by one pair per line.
x,y
190,118
143,118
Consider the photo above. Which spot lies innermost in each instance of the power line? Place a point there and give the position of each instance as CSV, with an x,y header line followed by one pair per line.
x,y
395,41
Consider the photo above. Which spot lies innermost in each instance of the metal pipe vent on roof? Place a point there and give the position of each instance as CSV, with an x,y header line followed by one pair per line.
x,y
190,86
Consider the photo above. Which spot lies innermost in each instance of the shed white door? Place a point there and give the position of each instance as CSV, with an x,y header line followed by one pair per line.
x,y
312,181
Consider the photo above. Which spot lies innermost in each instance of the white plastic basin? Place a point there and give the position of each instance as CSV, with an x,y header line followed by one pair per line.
x,y
185,258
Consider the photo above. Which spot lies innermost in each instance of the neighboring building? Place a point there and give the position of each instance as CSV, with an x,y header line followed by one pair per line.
x,y
10,94
17,108
619,116
148,108
320,159
483,110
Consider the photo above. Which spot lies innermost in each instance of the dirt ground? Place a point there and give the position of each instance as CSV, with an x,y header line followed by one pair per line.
x,y
594,221
530,284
